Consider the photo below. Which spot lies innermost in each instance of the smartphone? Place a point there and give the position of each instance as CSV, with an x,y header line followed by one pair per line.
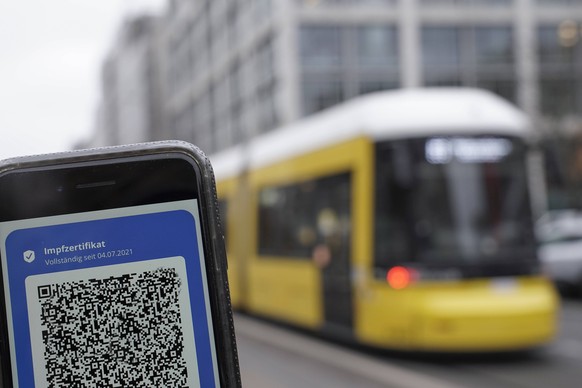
x,y
114,271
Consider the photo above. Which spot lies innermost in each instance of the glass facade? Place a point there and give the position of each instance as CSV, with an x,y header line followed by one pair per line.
x,y
560,64
321,47
559,2
465,3
341,62
440,46
220,110
377,47
494,45
339,57
479,56
233,69
347,3
319,94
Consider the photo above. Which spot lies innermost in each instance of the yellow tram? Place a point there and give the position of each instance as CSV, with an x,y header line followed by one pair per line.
x,y
400,219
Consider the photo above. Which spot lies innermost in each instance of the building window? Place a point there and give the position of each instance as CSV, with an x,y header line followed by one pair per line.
x,y
266,108
553,49
233,26
493,45
200,47
377,46
203,123
476,56
347,3
263,9
183,124
295,220
319,94
553,3
440,53
356,60
378,60
503,88
558,96
264,62
560,69
221,115
465,3
440,46
321,46
376,86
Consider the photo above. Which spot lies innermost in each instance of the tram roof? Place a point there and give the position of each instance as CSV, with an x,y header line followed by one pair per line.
x,y
398,114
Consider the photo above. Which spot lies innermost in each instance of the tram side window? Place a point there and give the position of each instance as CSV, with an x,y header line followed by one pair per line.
x,y
394,185
295,219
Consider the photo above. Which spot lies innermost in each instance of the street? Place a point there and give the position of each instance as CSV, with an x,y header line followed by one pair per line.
x,y
273,357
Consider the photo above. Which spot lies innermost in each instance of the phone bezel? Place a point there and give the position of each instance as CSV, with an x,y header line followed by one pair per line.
x,y
95,163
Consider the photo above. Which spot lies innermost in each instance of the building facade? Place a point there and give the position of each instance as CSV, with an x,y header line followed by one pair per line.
x,y
234,69
242,67
132,86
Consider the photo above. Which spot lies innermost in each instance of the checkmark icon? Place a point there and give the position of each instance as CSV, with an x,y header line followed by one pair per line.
x,y
29,256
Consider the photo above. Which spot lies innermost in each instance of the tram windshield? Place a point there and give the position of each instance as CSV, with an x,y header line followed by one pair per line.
x,y
460,201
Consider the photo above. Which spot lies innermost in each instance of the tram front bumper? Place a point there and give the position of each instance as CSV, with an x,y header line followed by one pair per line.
x,y
481,317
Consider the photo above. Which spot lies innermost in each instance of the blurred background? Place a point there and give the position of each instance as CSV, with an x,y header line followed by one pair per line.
x,y
221,73
218,74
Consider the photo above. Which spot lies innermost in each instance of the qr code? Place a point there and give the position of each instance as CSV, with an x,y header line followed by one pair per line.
x,y
120,331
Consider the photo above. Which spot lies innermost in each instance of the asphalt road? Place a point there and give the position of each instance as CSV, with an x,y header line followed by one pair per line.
x,y
274,357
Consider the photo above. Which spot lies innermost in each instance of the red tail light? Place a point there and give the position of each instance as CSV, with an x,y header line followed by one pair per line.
x,y
400,277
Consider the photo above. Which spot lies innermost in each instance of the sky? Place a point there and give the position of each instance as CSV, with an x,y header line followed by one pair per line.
x,y
50,59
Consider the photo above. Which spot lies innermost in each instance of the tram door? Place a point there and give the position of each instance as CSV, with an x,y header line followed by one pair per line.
x,y
332,254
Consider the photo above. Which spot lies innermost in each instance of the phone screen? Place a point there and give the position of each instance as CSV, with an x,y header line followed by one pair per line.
x,y
115,295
